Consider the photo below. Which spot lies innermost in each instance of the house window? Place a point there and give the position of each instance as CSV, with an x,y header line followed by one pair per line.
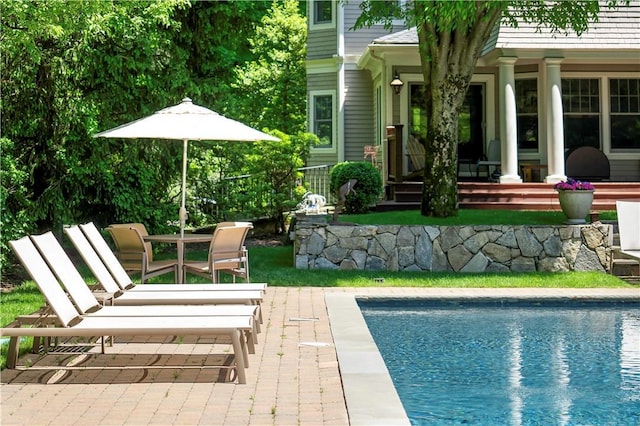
x,y
527,113
322,13
581,105
322,118
624,101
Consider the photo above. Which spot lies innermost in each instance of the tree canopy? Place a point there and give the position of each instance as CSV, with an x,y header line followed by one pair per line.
x,y
74,68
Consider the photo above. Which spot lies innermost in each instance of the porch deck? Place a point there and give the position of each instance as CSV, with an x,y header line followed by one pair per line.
x,y
517,196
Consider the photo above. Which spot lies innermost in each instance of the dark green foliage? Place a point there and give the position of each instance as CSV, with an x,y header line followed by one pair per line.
x,y
275,165
14,202
72,69
367,190
275,79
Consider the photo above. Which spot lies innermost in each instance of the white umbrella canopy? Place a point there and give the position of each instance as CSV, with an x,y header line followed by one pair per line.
x,y
186,122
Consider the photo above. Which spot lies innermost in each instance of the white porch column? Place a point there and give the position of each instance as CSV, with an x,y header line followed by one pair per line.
x,y
508,122
555,122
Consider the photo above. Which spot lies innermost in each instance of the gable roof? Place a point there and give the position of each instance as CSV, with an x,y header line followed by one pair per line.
x,y
409,36
615,29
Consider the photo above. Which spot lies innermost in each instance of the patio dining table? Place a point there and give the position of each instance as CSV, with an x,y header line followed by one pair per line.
x,y
180,242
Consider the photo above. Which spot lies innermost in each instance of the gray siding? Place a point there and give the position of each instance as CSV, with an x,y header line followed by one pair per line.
x,y
359,115
320,159
322,44
625,170
324,81
355,42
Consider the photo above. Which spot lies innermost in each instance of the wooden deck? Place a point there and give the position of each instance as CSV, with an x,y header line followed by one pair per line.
x,y
518,196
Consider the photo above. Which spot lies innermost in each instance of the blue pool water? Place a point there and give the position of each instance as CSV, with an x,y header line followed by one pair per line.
x,y
521,364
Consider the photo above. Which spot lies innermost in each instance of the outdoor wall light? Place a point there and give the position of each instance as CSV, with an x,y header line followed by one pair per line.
x,y
397,84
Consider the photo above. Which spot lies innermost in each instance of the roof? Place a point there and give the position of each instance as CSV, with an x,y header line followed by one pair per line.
x,y
409,36
615,29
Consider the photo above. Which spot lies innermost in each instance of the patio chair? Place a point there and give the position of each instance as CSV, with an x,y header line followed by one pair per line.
x,y
137,255
492,159
629,228
72,324
227,224
129,295
86,302
416,152
130,261
97,254
227,254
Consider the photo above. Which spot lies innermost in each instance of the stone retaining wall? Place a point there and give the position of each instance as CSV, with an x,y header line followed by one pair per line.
x,y
453,248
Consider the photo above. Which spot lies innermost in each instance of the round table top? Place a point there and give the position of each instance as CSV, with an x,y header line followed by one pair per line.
x,y
172,238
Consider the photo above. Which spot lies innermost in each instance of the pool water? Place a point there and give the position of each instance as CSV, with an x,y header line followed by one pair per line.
x,y
521,364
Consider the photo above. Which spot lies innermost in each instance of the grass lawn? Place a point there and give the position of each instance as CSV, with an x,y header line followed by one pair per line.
x,y
274,265
466,217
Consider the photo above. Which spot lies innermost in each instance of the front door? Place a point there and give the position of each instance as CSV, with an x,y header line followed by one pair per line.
x,y
470,126
470,129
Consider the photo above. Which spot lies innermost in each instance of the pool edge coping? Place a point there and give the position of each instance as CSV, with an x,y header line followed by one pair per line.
x,y
370,395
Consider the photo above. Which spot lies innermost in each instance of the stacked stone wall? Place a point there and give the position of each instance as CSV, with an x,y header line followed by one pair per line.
x,y
453,248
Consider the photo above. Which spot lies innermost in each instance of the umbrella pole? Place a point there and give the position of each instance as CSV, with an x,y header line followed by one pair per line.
x,y
183,209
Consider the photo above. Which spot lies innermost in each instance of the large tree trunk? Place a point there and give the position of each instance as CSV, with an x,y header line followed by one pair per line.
x,y
448,55
444,99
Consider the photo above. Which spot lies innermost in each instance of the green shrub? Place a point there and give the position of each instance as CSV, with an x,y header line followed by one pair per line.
x,y
366,191
15,222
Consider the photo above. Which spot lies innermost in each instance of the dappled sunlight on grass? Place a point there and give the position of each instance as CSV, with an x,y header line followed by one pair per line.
x,y
275,266
22,300
466,217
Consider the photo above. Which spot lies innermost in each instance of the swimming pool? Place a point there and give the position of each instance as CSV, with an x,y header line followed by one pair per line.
x,y
516,363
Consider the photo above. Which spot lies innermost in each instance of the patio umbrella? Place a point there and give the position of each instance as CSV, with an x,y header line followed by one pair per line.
x,y
186,122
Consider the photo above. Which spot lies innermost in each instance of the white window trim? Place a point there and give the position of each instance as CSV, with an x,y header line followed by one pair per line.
x,y
605,121
619,153
324,25
334,120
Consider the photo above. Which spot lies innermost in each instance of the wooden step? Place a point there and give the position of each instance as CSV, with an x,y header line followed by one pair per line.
x,y
515,196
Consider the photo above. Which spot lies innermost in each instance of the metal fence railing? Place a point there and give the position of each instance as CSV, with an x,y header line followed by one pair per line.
x,y
316,180
242,196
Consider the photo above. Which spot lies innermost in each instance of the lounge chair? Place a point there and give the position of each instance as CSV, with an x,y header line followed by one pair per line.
x,y
86,302
227,254
137,255
629,228
75,325
98,255
161,297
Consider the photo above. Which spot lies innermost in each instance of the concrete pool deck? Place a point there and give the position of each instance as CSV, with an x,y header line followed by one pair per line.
x,y
293,378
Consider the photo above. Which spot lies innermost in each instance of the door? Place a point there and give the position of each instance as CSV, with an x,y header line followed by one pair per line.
x,y
470,129
470,126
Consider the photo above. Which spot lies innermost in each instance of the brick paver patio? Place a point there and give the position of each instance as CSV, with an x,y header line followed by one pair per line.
x,y
293,378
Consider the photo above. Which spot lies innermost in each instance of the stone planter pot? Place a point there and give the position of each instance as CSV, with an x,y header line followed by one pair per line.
x,y
576,205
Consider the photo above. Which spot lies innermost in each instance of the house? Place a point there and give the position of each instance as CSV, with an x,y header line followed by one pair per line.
x,y
539,96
